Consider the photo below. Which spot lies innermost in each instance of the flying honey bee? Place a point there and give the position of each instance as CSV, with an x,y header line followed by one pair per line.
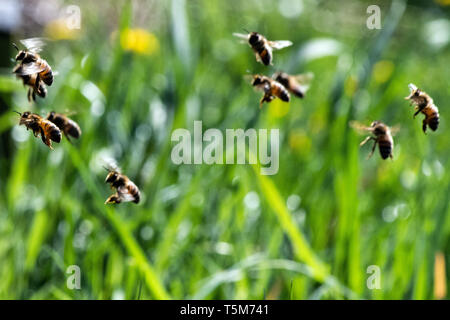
x,y
423,103
381,134
35,87
270,87
126,190
65,124
49,131
31,62
296,84
263,47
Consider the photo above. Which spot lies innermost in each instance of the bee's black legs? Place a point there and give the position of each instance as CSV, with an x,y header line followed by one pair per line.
x,y
424,126
373,148
265,98
43,136
365,141
374,145
417,112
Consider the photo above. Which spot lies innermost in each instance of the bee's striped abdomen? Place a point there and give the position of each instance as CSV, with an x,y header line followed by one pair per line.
x,y
73,129
46,75
53,131
432,116
281,92
133,191
385,147
265,55
433,123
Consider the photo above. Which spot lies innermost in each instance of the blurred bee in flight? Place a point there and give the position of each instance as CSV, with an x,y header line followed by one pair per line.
x,y
263,47
423,103
295,84
32,69
65,124
126,190
272,89
381,134
49,131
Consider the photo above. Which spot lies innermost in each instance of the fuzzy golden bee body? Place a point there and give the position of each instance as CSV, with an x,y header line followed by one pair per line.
x,y
381,134
32,69
126,190
271,89
295,84
424,103
65,124
49,131
263,47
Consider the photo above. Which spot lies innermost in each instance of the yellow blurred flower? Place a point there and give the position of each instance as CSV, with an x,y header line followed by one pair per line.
x,y
382,71
299,142
139,41
317,122
440,279
350,85
58,30
443,2
278,108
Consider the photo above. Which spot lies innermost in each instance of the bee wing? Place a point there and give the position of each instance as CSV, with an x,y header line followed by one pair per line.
x,y
33,44
304,78
277,45
69,113
395,129
359,127
30,68
412,88
248,78
241,36
111,165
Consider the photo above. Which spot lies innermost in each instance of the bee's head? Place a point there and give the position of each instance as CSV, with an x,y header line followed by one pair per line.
x,y
281,77
254,38
21,55
257,80
23,116
112,177
378,128
26,114
51,116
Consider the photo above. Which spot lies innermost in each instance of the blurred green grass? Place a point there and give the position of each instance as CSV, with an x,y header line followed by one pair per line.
x,y
225,232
